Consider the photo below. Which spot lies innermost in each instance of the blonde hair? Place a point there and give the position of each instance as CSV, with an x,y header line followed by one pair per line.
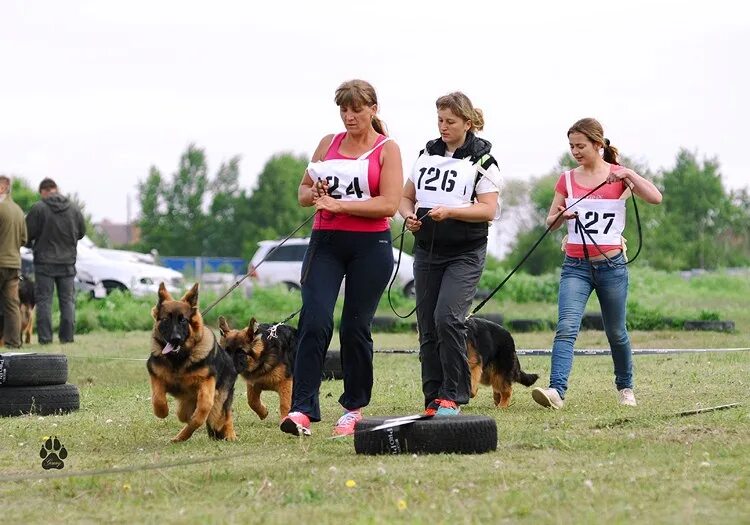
x,y
357,93
592,130
461,106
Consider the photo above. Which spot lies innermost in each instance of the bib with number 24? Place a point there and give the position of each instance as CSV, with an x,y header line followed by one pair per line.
x,y
347,179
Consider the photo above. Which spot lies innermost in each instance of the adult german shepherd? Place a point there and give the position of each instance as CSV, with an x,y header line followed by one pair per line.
x,y
493,360
187,362
264,357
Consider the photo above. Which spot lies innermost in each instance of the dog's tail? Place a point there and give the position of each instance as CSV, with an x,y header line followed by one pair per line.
x,y
524,378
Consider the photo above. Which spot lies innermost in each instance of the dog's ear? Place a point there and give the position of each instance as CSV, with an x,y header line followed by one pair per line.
x,y
252,326
223,326
163,294
191,297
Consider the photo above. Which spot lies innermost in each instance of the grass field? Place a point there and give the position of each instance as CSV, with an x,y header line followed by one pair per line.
x,y
593,462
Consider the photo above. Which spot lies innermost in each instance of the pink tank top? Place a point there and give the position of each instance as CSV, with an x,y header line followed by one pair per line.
x,y
325,220
608,191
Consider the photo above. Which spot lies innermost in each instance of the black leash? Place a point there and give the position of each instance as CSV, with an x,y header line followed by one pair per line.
x,y
549,228
237,283
398,265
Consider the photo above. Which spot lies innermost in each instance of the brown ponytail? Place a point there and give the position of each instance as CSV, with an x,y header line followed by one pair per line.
x,y
592,130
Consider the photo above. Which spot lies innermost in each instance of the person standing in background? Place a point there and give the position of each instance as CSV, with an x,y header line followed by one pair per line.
x,y
12,237
55,225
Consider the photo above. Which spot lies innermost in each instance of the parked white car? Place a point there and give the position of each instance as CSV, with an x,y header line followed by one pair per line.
x,y
284,266
99,275
120,255
138,278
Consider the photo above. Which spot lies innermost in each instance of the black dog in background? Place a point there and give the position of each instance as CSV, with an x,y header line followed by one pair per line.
x,y
493,360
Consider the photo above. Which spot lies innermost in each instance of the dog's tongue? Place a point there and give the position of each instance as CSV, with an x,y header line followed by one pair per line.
x,y
169,348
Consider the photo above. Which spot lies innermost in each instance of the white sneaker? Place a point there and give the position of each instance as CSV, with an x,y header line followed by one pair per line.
x,y
627,397
547,397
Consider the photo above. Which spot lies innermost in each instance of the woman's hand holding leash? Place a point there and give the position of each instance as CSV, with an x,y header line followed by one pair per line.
x,y
439,213
412,223
328,203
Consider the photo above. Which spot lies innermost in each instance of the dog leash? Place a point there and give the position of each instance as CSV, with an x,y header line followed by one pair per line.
x,y
237,283
528,254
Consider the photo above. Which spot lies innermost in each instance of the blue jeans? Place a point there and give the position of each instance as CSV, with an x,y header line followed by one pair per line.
x,y
578,279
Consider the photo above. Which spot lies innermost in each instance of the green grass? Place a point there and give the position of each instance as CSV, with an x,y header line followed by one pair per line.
x,y
593,462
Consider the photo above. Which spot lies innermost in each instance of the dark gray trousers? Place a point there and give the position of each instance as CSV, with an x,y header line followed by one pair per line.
x,y
445,287
46,277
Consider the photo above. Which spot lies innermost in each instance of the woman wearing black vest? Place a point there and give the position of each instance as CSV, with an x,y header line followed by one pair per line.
x,y
450,198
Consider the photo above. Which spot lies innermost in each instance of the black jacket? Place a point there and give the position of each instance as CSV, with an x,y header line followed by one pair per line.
x,y
55,225
452,236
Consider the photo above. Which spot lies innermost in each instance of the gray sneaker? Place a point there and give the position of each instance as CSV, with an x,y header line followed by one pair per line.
x,y
547,397
626,397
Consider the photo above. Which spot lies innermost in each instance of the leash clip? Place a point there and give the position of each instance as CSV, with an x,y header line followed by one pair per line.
x,y
272,331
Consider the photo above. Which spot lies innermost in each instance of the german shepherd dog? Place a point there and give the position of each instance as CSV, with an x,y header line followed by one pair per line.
x,y
264,356
28,302
187,362
493,360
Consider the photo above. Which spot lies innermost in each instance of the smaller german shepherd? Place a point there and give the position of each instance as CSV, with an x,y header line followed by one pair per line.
x,y
28,302
264,356
493,360
187,362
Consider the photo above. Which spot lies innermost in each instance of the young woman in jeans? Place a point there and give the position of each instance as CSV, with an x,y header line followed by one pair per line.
x,y
354,181
448,202
588,266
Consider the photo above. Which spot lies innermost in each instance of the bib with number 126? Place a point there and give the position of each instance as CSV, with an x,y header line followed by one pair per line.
x,y
603,219
443,181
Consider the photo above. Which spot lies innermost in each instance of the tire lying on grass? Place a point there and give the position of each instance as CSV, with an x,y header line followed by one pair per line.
x,y
332,365
436,435
30,369
42,400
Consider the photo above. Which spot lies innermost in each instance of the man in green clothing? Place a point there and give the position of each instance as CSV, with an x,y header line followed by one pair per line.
x,y
12,237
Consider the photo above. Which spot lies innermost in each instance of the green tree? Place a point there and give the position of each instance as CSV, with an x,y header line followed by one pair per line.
x,y
172,216
272,211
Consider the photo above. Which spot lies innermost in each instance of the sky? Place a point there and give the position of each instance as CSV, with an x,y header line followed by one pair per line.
x,y
94,93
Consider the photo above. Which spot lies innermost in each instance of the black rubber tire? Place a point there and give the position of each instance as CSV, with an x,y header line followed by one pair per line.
x,y
383,324
42,400
526,325
592,321
714,326
332,365
31,369
437,435
495,318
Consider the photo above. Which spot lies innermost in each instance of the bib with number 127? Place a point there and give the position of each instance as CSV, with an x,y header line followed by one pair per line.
x,y
603,219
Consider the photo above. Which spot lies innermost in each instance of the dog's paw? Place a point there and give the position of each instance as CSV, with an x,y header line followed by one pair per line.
x,y
161,410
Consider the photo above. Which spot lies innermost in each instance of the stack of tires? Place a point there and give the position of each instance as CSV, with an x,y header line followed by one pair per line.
x,y
35,384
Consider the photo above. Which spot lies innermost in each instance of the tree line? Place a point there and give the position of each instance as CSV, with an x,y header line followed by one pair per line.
x,y
698,225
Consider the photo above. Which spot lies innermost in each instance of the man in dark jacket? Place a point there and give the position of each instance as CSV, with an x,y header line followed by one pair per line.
x,y
12,237
55,225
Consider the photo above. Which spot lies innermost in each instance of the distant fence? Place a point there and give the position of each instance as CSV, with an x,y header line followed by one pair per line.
x,y
194,267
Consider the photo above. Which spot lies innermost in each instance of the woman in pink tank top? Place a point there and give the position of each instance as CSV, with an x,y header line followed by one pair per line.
x,y
588,268
354,181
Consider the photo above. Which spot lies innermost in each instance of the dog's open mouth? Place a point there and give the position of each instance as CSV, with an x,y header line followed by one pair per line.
x,y
170,348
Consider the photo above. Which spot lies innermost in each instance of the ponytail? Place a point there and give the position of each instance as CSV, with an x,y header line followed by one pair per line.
x,y
379,126
610,153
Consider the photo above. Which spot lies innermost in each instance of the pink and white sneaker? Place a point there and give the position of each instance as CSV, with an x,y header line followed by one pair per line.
x,y
345,424
296,423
